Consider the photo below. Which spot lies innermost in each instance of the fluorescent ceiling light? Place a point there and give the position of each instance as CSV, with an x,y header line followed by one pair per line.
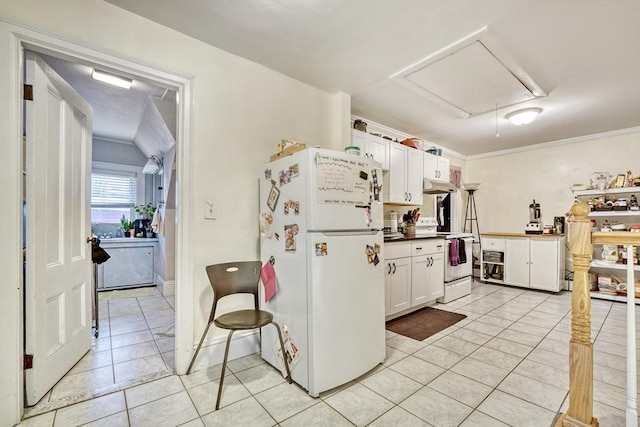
x,y
111,79
523,117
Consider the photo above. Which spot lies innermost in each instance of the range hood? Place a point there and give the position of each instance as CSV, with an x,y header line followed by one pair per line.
x,y
437,187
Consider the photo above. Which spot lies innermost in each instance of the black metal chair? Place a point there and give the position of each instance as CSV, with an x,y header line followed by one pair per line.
x,y
236,278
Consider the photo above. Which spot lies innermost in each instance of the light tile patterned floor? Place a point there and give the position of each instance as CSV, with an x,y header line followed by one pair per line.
x,y
506,364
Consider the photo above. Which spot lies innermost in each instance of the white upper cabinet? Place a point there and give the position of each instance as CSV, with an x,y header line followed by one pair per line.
x,y
436,168
403,182
372,147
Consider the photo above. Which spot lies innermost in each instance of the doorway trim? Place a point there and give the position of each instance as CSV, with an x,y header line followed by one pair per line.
x,y
19,38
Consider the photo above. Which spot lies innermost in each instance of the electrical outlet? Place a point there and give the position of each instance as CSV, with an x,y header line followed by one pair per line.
x,y
210,210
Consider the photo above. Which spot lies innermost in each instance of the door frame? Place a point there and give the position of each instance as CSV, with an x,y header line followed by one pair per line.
x,y
19,38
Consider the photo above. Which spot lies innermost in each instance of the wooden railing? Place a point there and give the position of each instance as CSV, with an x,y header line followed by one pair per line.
x,y
581,240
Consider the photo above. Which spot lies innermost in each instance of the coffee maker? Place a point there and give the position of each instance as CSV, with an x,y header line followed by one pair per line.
x,y
534,226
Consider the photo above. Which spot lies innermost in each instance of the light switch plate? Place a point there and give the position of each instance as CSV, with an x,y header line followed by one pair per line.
x,y
210,210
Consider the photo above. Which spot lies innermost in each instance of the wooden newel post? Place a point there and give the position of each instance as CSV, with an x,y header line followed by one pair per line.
x,y
580,412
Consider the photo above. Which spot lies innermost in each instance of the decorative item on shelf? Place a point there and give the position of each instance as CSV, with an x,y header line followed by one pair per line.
x,y
127,225
287,148
412,142
360,125
601,180
352,149
435,151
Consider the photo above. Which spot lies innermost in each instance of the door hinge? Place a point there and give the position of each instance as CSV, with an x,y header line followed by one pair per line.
x,y
27,92
28,361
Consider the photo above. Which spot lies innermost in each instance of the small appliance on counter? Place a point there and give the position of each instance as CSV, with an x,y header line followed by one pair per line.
x,y
534,226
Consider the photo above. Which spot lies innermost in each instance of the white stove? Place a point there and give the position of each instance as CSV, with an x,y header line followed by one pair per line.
x,y
426,227
457,278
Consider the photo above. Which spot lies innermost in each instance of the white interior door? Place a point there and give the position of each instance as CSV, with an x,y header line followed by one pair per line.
x,y
58,257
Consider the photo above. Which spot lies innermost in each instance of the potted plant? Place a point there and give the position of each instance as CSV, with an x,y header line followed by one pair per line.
x,y
145,211
127,225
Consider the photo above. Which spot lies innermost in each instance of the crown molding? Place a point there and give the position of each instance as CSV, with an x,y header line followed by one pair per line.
x,y
574,140
371,125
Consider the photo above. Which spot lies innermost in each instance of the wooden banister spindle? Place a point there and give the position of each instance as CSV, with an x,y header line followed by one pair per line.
x,y
580,412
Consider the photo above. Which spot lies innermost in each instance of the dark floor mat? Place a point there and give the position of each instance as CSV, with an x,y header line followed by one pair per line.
x,y
423,323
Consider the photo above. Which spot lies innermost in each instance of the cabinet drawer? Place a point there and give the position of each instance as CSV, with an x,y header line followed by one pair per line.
x,y
430,246
397,250
493,244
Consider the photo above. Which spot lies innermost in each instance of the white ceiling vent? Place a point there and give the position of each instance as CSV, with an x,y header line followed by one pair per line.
x,y
471,76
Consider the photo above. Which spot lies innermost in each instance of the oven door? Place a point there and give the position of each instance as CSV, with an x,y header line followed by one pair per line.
x,y
452,273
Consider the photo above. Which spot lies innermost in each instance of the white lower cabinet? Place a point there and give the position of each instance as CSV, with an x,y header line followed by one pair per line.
x,y
427,271
534,262
414,274
132,263
516,262
398,277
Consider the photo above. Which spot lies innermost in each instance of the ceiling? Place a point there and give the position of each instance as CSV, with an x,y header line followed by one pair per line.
x,y
582,56
117,112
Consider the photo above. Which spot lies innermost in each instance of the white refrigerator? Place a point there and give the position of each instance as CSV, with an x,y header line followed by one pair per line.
x,y
321,230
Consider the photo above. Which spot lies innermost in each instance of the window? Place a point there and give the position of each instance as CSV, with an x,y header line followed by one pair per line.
x,y
115,190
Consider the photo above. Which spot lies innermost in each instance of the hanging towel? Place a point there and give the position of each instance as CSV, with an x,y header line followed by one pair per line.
x,y
453,252
462,252
156,224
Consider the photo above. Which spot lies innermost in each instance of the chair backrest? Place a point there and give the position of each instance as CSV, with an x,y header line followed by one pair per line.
x,y
239,277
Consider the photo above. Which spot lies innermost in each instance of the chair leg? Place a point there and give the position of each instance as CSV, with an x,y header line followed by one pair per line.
x,y
193,359
284,355
224,367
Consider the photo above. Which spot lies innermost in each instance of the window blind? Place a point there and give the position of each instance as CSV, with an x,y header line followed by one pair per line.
x,y
110,190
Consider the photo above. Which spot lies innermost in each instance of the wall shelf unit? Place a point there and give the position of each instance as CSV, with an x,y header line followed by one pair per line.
x,y
628,216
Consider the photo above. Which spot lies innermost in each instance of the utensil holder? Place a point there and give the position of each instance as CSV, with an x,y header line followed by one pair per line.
x,y
410,231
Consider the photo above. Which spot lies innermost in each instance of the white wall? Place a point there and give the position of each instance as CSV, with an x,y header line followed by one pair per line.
x,y
510,182
240,111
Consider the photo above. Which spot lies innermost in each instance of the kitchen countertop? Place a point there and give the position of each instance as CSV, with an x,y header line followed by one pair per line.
x,y
408,239
131,240
535,236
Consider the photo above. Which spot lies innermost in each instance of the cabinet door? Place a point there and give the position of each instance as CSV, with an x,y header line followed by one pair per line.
x,y
414,175
377,150
430,166
544,268
443,169
128,266
516,262
436,276
398,285
396,178
419,279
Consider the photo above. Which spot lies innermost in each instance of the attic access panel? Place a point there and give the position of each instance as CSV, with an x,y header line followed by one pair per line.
x,y
470,77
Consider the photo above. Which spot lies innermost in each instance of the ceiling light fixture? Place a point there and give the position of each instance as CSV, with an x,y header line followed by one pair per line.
x,y
153,166
111,79
523,117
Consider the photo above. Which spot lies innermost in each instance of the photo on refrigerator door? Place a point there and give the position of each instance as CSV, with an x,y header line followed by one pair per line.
x,y
321,249
290,232
290,349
